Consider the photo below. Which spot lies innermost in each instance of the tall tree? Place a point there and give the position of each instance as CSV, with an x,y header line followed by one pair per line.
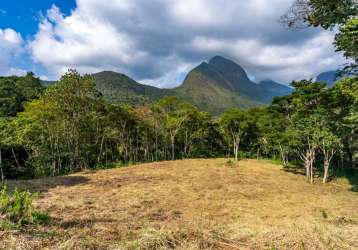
x,y
235,124
173,114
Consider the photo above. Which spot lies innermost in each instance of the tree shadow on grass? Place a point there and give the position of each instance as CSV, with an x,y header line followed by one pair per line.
x,y
295,170
350,175
43,185
81,223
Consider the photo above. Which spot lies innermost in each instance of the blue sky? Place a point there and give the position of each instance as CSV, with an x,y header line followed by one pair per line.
x,y
157,42
24,15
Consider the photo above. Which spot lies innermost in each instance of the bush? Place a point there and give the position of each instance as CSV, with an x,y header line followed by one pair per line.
x,y
16,207
230,163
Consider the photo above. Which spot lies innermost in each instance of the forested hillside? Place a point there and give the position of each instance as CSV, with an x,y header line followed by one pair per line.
x,y
119,88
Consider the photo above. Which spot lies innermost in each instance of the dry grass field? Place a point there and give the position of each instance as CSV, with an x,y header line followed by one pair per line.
x,y
190,204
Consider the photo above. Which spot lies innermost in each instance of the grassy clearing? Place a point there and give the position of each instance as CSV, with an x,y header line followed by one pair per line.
x,y
190,204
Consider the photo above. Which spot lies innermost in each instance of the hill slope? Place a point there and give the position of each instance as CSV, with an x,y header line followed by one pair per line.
x,y
221,84
210,91
119,88
191,204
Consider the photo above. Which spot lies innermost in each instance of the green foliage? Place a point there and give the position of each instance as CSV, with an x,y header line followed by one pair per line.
x,y
235,124
328,13
41,218
323,13
118,88
15,91
16,206
347,42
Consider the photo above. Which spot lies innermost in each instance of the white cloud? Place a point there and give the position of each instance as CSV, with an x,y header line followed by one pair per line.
x,y
283,63
155,41
80,41
11,47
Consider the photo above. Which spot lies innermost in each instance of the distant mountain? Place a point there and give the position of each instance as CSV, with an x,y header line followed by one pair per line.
x,y
212,86
275,88
329,77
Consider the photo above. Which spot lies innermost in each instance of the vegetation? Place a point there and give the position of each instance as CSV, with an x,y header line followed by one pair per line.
x,y
16,209
119,88
70,127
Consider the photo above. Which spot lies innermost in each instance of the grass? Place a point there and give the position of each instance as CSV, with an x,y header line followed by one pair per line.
x,y
190,204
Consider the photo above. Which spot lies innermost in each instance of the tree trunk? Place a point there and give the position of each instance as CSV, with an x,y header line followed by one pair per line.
x,y
236,148
307,166
100,150
236,151
173,147
311,170
1,170
326,170
284,157
17,163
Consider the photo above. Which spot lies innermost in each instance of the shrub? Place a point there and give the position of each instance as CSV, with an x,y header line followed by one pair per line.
x,y
16,207
231,163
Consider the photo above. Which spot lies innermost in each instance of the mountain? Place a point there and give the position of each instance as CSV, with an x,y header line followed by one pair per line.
x,y
329,77
207,89
212,86
222,83
275,88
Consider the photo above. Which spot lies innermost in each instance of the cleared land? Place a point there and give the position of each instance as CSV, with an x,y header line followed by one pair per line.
x,y
191,204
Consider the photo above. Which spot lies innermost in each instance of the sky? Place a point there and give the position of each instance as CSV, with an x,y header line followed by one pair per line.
x,y
158,42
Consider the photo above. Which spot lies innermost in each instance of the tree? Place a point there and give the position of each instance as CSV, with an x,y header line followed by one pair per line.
x,y
306,140
173,114
235,123
344,102
346,41
15,91
61,130
329,144
271,126
324,13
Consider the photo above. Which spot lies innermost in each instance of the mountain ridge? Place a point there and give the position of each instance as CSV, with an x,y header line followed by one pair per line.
x,y
212,86
231,76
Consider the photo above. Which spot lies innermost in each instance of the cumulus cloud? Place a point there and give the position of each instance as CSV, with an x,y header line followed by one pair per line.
x,y
11,47
157,41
